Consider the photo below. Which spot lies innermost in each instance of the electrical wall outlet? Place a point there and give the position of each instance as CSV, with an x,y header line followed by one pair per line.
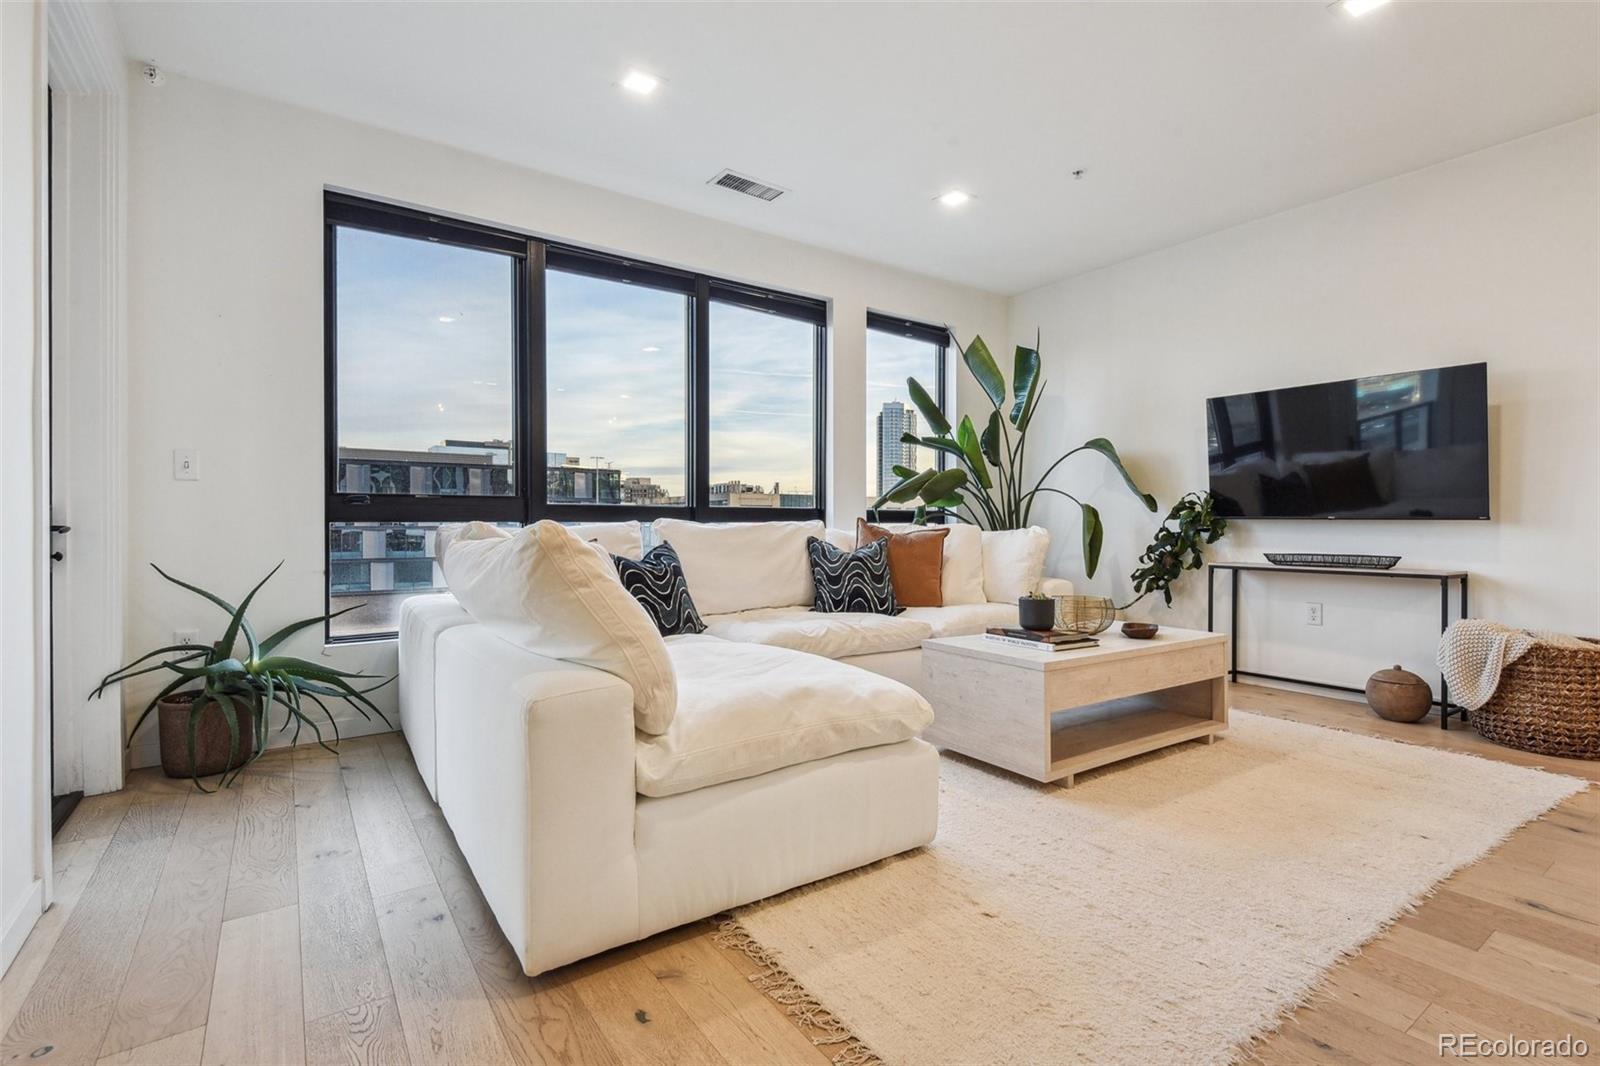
x,y
185,464
1313,614
185,636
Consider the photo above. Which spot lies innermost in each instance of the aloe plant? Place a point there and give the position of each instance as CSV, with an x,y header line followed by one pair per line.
x,y
988,487
230,677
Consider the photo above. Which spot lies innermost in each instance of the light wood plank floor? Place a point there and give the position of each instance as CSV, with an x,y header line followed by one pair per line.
x,y
321,913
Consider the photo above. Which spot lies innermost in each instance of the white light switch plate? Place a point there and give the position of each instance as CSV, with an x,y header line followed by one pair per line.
x,y
185,464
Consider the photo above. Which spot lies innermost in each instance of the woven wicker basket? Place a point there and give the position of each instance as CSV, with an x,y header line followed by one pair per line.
x,y
1548,702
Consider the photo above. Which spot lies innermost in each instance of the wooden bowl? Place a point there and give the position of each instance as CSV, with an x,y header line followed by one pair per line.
x,y
1139,630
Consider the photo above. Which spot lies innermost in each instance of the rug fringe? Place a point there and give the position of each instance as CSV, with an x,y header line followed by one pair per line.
x,y
781,987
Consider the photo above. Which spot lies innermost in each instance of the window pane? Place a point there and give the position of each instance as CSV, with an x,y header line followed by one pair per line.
x,y
426,355
618,391
763,418
891,359
377,565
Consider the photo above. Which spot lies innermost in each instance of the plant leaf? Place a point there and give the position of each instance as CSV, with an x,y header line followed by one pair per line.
x,y
271,643
231,634
990,441
1107,449
942,485
287,664
1094,535
935,418
1023,381
986,371
967,437
903,490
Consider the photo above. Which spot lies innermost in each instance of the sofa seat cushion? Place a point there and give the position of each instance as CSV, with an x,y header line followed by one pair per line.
x,y
749,709
963,619
832,636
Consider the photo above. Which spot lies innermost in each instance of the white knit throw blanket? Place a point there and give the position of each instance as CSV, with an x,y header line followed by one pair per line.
x,y
1472,652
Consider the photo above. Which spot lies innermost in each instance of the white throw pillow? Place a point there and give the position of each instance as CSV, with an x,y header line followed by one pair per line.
x,y
618,538
448,534
961,579
1013,562
545,589
739,566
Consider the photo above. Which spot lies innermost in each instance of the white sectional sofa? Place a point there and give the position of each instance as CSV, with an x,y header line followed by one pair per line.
x,y
792,754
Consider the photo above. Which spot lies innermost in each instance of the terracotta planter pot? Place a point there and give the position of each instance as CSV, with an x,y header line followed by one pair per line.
x,y
211,736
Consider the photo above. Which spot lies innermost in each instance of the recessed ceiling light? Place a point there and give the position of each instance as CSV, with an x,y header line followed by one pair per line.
x,y
954,198
1357,8
650,348
447,318
637,81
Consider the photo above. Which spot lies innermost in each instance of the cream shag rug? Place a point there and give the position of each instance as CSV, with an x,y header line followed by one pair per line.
x,y
1166,910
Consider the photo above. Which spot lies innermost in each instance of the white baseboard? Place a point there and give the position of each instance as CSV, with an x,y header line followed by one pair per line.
x,y
146,750
19,923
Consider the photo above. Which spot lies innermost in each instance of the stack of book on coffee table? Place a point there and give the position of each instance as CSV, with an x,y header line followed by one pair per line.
x,y
1049,640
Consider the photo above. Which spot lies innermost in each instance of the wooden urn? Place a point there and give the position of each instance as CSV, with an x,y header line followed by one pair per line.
x,y
1399,695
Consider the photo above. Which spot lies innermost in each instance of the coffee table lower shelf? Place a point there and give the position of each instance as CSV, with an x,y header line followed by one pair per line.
x,y
1086,738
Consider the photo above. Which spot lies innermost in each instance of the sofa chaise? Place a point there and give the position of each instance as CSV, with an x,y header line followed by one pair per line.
x,y
792,754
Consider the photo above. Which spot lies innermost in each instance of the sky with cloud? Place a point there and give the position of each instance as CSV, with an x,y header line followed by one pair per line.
x,y
426,334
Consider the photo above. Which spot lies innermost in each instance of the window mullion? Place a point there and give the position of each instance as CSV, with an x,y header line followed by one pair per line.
x,y
532,391
700,404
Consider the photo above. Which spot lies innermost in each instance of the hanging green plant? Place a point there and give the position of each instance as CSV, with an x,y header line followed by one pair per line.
x,y
1178,546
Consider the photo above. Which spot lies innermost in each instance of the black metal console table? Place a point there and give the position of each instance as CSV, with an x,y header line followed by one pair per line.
x,y
1443,577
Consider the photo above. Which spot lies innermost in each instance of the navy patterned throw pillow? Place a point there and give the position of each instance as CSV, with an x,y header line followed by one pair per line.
x,y
657,582
856,581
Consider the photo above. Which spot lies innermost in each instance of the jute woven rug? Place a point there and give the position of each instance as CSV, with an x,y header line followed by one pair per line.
x,y
1166,910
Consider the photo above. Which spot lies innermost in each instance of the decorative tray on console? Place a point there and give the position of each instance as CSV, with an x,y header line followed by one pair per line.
x,y
1360,562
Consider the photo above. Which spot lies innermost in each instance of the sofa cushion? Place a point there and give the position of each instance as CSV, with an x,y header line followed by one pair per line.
x,y
832,636
961,572
739,566
657,582
1013,562
544,589
855,581
916,561
618,538
963,619
748,709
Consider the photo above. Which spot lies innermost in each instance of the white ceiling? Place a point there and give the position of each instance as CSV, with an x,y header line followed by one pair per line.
x,y
1188,117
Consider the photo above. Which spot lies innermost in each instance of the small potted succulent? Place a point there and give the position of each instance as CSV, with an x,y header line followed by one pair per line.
x,y
1036,611
218,723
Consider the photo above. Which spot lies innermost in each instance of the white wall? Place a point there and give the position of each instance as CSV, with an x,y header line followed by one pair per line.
x,y
225,326
1489,257
24,839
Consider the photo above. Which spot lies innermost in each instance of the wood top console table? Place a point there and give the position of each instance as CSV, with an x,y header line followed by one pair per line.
x,y
1443,577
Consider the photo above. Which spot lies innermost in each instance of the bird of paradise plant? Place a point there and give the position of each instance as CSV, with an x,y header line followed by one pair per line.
x,y
987,486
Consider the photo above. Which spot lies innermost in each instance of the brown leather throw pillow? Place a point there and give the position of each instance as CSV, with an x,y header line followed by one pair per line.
x,y
916,562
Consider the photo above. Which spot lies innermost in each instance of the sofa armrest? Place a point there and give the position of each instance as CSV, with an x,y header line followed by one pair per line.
x,y
1055,586
536,779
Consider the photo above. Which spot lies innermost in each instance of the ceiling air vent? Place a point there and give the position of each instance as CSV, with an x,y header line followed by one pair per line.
x,y
749,186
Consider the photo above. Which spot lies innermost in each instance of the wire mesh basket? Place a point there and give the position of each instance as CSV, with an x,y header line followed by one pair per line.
x,y
1087,615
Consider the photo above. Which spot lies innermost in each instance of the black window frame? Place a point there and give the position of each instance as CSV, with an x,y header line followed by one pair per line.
x,y
940,337
532,257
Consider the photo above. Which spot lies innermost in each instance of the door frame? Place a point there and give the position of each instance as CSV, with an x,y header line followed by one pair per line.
x,y
86,413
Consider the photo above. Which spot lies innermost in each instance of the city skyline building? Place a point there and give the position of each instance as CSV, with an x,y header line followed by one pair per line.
x,y
894,420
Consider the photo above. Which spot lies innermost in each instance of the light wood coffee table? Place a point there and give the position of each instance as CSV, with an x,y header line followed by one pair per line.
x,y
1053,715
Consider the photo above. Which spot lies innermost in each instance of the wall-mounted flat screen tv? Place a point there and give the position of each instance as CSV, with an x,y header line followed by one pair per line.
x,y
1412,445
